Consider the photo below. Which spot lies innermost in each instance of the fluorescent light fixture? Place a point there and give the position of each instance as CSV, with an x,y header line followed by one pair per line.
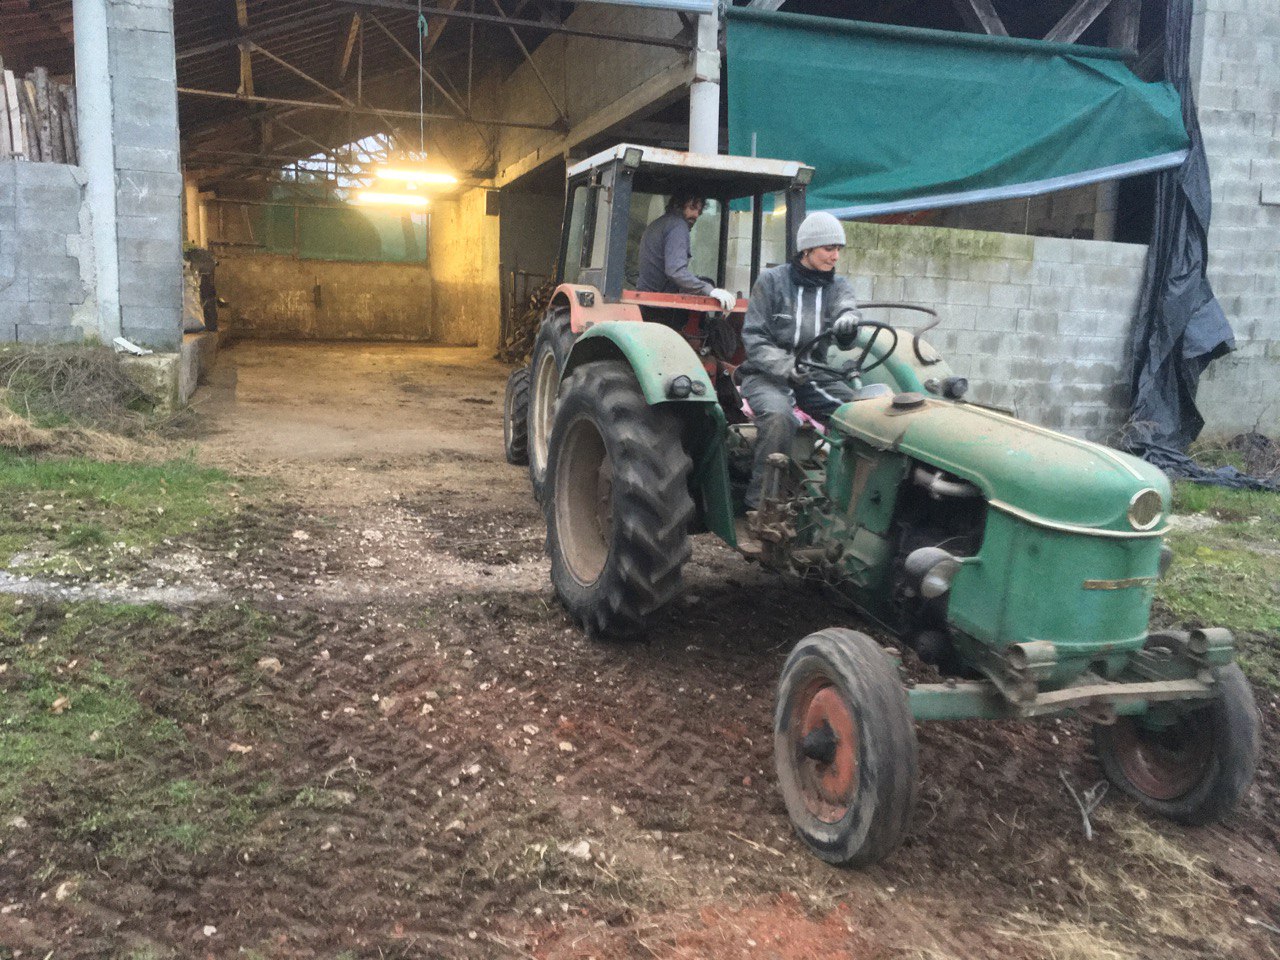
x,y
392,199
416,177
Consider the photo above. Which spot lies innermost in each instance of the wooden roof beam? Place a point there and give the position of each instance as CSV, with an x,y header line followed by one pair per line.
x,y
1076,21
980,16
346,47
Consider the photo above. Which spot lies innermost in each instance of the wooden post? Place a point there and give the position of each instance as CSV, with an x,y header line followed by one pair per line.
x,y
16,139
69,146
6,134
49,149
27,103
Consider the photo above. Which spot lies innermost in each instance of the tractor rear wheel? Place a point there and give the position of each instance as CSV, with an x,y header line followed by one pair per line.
x,y
616,501
515,417
1195,769
550,351
844,743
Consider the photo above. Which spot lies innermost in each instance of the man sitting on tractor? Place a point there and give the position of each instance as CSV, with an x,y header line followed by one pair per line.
x,y
790,305
665,252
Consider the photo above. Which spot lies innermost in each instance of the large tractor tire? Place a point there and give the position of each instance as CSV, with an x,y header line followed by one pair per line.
x,y
844,744
1196,769
616,501
515,417
550,351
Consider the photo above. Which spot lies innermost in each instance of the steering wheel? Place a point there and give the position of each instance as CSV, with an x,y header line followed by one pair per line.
x,y
851,368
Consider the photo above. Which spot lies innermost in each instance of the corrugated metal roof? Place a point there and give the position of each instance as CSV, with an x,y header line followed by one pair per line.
x,y
306,34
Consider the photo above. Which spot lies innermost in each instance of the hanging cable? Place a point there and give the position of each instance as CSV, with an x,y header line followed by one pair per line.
x,y
422,93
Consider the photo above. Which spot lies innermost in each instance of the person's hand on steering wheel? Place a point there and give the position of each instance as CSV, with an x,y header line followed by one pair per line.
x,y
845,328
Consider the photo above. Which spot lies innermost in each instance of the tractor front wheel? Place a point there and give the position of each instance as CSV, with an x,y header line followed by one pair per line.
x,y
550,352
616,501
1194,769
515,417
844,744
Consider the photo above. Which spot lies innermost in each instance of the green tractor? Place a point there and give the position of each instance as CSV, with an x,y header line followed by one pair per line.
x,y
1018,561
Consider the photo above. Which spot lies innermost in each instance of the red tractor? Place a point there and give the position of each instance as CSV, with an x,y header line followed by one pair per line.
x,y
611,197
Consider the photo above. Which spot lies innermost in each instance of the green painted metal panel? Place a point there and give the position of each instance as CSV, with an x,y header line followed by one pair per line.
x,y
1028,583
896,119
1049,477
656,353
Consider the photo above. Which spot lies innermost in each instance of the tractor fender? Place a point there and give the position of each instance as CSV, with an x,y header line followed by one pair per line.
x,y
587,307
658,355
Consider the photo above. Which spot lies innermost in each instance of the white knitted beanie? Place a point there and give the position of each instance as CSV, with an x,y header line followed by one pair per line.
x,y
819,229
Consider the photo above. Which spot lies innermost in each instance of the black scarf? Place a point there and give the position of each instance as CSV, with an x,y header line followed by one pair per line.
x,y
803,276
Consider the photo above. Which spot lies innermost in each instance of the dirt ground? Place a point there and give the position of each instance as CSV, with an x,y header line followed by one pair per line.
x,y
451,769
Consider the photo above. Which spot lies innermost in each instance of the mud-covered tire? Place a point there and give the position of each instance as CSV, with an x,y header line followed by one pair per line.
x,y
616,502
515,417
1196,770
550,351
844,747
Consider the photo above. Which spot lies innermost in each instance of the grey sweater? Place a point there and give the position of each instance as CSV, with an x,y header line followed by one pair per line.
x,y
665,251
782,315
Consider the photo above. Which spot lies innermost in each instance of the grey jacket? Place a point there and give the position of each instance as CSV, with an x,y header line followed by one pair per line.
x,y
665,251
781,316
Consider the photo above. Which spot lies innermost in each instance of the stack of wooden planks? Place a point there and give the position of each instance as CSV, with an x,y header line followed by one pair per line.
x,y
37,117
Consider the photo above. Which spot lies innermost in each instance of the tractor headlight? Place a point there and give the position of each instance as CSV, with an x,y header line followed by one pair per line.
x,y
1145,509
938,580
933,569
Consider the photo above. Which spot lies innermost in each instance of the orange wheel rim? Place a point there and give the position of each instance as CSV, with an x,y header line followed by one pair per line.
x,y
824,735
1164,764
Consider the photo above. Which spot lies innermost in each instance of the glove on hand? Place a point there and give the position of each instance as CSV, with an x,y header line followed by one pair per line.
x,y
726,299
845,328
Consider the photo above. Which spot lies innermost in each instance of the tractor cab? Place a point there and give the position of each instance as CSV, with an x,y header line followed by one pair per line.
x,y
612,196
609,200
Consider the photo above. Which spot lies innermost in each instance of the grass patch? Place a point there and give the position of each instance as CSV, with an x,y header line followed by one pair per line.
x,y
74,515
1228,574
87,750
1258,508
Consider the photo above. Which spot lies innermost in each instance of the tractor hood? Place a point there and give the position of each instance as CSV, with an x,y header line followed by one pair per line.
x,y
1047,478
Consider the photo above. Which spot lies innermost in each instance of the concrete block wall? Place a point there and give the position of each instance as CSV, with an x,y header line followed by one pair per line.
x,y
46,266
1236,63
148,181
278,296
1039,325
96,250
464,264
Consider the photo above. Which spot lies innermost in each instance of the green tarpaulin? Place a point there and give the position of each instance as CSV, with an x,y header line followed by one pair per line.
x,y
898,118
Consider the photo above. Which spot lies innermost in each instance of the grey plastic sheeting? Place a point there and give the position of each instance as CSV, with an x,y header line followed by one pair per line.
x,y
1180,327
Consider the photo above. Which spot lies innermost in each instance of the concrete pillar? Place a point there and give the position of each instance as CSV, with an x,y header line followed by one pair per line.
x,y
98,155
126,81
704,93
